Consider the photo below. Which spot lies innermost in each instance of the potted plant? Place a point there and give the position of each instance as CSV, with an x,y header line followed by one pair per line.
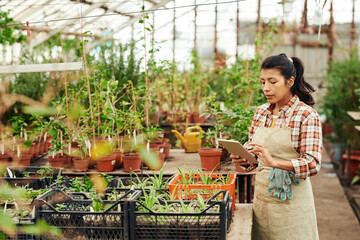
x,y
5,156
210,155
20,142
58,131
341,96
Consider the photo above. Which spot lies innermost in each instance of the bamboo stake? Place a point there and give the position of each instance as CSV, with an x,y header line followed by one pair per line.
x,y
331,37
98,103
87,77
353,29
304,20
65,77
237,30
174,32
258,16
195,27
215,35
147,80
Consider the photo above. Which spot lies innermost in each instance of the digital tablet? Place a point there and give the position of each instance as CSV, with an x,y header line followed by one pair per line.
x,y
235,147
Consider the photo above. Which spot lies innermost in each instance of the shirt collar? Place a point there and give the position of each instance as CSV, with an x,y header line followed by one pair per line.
x,y
286,108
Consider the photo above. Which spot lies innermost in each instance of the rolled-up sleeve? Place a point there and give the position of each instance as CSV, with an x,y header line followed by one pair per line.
x,y
309,162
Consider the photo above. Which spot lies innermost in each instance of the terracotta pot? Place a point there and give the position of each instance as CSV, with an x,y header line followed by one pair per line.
x,y
106,164
30,151
36,149
354,163
23,160
161,157
5,160
118,159
68,160
167,150
47,146
159,145
81,165
196,118
41,148
210,158
57,161
132,161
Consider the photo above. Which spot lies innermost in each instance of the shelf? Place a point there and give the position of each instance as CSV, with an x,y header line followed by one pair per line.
x,y
354,115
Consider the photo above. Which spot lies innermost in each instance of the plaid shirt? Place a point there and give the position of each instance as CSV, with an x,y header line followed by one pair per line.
x,y
306,134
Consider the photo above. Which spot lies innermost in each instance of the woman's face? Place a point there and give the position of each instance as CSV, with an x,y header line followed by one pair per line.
x,y
276,89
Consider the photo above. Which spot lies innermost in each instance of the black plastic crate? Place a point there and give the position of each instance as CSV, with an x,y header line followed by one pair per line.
x,y
133,183
34,180
211,223
77,222
20,223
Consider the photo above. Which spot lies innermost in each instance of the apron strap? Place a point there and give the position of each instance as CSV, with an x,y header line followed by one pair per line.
x,y
293,107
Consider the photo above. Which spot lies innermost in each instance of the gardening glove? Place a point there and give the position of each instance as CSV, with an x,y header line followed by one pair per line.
x,y
276,179
280,183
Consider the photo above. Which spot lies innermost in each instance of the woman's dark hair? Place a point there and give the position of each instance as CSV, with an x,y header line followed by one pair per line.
x,y
292,67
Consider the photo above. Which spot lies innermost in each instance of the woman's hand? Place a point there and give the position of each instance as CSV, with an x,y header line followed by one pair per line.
x,y
240,161
263,154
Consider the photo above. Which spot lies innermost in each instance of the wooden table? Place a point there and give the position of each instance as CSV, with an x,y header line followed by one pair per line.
x,y
179,159
241,226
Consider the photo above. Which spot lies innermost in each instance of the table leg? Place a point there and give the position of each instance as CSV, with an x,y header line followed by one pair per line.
x,y
249,188
241,188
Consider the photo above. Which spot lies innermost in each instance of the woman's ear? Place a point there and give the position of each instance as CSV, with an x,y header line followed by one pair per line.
x,y
290,82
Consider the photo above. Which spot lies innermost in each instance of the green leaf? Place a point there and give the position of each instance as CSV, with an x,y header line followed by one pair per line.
x,y
355,179
41,227
46,111
6,224
52,132
141,21
27,143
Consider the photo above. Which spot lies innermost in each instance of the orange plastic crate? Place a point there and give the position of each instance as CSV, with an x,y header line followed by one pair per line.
x,y
191,191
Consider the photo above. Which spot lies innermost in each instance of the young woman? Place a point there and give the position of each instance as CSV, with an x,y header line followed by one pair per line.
x,y
286,137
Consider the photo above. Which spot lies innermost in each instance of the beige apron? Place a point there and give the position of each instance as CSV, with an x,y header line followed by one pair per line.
x,y
275,218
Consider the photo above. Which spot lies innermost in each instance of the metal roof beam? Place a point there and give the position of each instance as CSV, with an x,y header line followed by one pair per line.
x,y
73,33
65,24
104,7
95,19
137,18
31,10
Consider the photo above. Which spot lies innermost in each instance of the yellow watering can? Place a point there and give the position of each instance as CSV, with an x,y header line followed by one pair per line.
x,y
192,138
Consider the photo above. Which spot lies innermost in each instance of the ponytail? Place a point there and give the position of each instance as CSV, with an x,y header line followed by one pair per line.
x,y
292,67
301,88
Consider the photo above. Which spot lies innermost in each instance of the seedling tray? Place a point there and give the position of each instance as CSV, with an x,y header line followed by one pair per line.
x,y
20,223
211,223
190,191
34,180
76,221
